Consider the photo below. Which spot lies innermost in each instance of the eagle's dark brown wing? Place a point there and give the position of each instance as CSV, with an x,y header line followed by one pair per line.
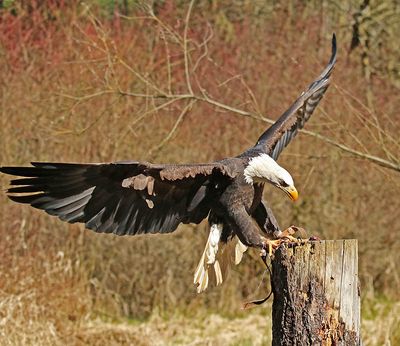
x,y
121,198
278,136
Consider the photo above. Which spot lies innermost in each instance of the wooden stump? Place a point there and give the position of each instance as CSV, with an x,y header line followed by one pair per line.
x,y
316,294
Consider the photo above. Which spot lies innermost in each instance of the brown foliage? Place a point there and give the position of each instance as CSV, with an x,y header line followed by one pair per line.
x,y
69,76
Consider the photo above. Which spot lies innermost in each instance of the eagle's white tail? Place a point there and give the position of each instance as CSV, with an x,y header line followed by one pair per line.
x,y
218,259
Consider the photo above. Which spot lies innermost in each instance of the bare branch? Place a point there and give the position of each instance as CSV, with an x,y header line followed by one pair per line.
x,y
142,78
185,48
158,147
169,73
174,98
205,45
365,119
86,97
374,159
177,38
233,109
130,127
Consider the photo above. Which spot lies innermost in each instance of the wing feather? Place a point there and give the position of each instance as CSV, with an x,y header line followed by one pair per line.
x,y
278,136
122,198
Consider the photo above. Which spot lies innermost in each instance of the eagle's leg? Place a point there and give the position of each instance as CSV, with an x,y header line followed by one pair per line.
x,y
266,220
242,224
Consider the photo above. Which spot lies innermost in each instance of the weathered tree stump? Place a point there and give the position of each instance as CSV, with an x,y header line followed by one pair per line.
x,y
316,294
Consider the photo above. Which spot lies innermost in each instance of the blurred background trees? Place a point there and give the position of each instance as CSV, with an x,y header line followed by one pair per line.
x,y
113,80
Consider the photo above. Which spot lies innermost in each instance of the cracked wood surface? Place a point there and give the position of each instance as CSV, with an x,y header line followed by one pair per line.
x,y
316,294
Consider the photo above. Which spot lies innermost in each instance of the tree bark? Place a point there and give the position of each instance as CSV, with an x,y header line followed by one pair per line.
x,y
316,294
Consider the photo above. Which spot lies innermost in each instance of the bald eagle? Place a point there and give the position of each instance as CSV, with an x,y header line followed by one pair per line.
x,y
130,197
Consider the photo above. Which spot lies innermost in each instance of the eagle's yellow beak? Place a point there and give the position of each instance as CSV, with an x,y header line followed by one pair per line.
x,y
292,193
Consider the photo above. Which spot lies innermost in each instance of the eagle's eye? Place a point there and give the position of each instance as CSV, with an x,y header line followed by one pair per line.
x,y
283,183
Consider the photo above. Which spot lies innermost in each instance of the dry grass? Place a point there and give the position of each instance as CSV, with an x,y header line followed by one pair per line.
x,y
381,319
85,295
44,296
207,330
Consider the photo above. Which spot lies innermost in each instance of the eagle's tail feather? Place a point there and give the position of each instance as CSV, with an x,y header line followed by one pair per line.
x,y
209,258
220,256
240,249
201,273
218,273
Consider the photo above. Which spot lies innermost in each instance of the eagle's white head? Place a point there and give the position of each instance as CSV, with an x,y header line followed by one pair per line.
x,y
264,168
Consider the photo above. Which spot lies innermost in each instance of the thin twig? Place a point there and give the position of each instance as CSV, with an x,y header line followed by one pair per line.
x,y
130,127
85,97
205,45
172,32
359,102
375,159
142,78
167,52
173,130
185,49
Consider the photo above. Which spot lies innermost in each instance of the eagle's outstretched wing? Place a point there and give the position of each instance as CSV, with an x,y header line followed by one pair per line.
x,y
121,198
278,136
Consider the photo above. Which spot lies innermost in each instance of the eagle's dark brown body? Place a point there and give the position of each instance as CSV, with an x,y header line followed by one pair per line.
x,y
237,202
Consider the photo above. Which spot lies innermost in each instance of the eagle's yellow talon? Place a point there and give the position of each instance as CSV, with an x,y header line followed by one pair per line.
x,y
272,245
270,249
